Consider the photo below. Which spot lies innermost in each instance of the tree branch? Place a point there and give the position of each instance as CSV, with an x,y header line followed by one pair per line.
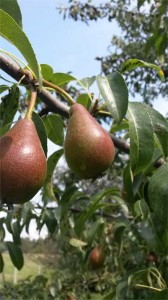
x,y
120,144
17,73
53,105
96,213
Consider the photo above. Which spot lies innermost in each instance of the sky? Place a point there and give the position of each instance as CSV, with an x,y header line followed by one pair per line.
x,y
66,45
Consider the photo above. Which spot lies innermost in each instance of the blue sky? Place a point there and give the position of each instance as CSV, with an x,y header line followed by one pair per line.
x,y
65,45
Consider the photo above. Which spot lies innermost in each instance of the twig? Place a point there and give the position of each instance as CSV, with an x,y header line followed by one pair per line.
x,y
120,144
17,73
60,91
148,287
53,105
97,213
32,102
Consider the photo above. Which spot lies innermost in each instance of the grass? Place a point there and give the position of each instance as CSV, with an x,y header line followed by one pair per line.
x,y
32,267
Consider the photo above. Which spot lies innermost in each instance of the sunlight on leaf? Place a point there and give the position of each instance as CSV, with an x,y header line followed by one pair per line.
x,y
134,63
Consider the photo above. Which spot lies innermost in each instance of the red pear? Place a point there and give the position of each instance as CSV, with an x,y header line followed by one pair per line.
x,y
96,257
22,163
89,149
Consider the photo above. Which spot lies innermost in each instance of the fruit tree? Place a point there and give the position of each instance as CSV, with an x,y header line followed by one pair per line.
x,y
107,206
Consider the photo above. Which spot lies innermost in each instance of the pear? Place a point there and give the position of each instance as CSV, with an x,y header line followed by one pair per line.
x,y
96,257
88,148
22,163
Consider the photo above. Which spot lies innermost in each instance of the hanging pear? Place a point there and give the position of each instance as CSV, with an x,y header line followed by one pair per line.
x,y
97,257
89,149
22,163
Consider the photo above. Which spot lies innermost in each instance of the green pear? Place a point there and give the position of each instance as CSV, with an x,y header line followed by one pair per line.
x,y
89,149
22,163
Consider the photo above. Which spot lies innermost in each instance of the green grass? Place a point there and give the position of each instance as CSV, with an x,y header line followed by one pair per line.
x,y
32,267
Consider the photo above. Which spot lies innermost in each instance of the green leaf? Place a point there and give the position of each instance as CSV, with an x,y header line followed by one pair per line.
x,y
41,130
74,195
128,184
153,233
160,42
61,79
1,263
162,295
8,222
121,289
11,31
2,230
16,229
70,196
77,243
111,295
8,109
68,193
15,255
4,129
84,99
3,88
141,208
26,211
160,126
52,161
118,127
87,81
142,276
115,93
96,296
46,71
158,193
134,63
49,220
94,205
118,236
141,136
55,130
96,228
48,185
12,8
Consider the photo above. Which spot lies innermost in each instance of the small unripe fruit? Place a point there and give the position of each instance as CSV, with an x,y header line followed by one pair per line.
x,y
152,257
96,257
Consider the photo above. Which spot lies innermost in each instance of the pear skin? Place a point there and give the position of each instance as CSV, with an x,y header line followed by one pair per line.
x,y
96,257
23,163
88,148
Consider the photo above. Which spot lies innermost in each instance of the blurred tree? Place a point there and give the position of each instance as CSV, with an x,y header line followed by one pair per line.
x,y
144,35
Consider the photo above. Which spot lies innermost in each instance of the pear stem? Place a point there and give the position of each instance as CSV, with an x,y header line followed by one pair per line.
x,y
103,112
60,91
32,102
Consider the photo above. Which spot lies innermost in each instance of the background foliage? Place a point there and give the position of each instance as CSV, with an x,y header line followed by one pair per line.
x,y
144,35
